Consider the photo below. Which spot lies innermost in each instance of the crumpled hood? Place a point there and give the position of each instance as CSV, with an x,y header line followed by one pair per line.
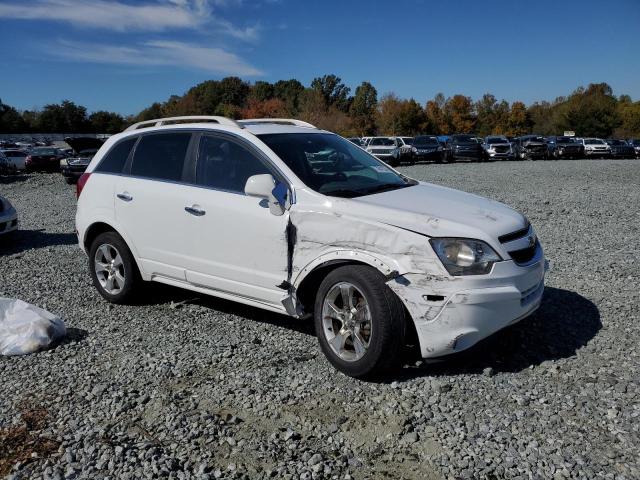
x,y
437,211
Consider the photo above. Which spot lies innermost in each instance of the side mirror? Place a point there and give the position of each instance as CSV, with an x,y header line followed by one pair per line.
x,y
264,186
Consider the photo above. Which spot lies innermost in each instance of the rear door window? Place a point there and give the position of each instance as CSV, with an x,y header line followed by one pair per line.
x,y
224,164
114,160
161,156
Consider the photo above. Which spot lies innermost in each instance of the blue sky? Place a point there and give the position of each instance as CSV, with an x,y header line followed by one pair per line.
x,y
123,55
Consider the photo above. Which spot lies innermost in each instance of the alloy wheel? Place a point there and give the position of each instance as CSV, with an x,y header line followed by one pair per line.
x,y
346,321
109,269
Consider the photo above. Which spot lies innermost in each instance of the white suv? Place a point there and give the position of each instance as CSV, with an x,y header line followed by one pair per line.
x,y
280,215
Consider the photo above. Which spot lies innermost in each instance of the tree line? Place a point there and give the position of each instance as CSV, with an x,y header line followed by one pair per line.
x,y
329,104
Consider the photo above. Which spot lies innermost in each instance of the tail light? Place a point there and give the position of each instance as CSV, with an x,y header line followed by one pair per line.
x,y
82,181
28,159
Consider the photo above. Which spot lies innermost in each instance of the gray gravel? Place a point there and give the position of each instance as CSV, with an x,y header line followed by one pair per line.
x,y
183,386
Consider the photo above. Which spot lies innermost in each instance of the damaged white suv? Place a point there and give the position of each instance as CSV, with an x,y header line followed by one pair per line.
x,y
280,215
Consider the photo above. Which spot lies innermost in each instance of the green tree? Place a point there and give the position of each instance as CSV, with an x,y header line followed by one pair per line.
x,y
261,91
289,92
333,91
10,120
363,109
106,122
486,114
62,118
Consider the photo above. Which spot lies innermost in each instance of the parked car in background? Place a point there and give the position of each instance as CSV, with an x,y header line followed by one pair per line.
x,y
85,148
427,148
236,210
382,147
595,148
356,141
497,147
402,152
620,148
530,147
564,147
43,159
16,157
8,216
635,143
463,147
6,167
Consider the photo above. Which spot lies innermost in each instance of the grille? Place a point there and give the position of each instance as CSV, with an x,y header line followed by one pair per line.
x,y
504,149
379,150
524,255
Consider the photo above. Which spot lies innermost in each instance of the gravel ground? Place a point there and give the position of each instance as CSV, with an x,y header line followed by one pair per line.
x,y
183,386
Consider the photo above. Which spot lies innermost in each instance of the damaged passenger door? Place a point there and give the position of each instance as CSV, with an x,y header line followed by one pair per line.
x,y
238,241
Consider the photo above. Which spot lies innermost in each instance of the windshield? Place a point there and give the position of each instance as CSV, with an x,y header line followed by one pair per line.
x,y
44,151
497,140
464,138
565,140
617,142
407,140
331,165
593,141
385,142
425,141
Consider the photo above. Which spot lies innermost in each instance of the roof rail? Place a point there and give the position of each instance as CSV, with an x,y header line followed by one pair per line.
x,y
186,119
276,121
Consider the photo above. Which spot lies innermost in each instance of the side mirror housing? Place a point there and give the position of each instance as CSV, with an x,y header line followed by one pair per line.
x,y
264,186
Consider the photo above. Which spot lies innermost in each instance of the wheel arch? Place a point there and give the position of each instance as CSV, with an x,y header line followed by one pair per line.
x,y
99,227
307,282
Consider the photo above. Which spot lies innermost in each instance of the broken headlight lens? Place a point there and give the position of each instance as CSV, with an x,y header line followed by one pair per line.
x,y
464,256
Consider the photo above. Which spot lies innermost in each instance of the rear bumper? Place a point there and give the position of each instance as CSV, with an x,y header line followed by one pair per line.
x,y
459,316
8,221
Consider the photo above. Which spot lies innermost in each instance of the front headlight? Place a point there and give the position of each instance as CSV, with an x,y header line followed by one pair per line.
x,y
414,149
464,256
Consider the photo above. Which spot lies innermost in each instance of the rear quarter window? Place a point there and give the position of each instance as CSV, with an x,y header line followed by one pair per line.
x,y
115,159
161,156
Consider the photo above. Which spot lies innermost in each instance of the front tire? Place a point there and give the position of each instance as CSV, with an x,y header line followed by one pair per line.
x,y
359,322
113,269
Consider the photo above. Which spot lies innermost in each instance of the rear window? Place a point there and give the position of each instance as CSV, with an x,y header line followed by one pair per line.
x,y
114,160
161,156
15,154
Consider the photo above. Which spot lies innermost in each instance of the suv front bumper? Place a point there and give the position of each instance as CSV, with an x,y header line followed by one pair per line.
x,y
454,313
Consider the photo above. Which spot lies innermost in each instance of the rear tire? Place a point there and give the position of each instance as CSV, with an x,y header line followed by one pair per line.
x,y
362,331
113,269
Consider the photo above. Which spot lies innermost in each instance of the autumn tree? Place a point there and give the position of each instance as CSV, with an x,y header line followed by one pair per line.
x,y
518,123
435,118
459,113
269,108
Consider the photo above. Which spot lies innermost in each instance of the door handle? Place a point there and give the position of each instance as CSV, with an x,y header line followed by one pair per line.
x,y
124,196
193,210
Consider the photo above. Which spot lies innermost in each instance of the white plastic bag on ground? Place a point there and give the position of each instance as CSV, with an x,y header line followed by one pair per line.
x,y
25,328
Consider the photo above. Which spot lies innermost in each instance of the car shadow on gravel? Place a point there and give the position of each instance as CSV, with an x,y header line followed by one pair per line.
x,y
8,179
22,240
177,298
564,323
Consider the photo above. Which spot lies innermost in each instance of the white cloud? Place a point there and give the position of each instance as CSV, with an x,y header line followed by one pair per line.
x,y
156,53
115,15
